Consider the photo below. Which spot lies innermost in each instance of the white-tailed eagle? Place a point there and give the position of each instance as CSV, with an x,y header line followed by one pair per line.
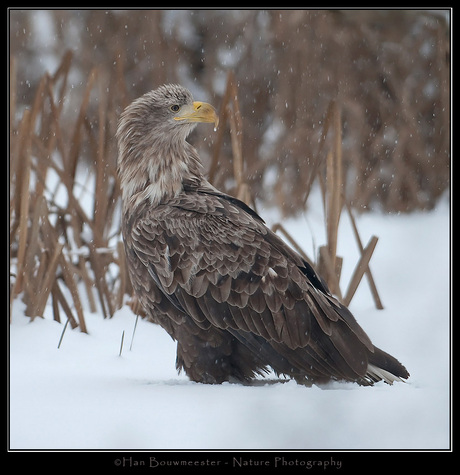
x,y
235,297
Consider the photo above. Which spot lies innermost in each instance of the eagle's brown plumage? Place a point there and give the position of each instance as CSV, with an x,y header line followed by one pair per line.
x,y
205,267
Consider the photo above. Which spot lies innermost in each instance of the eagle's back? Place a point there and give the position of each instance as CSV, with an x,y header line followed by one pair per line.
x,y
221,283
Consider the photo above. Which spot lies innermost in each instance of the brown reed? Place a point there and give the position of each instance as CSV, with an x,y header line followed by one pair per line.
x,y
65,244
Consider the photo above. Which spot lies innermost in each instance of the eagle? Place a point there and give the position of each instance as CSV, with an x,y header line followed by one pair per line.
x,y
204,266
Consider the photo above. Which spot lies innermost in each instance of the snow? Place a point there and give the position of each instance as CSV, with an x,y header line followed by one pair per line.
x,y
85,396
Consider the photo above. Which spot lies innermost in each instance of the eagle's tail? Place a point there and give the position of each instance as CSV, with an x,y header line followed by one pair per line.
x,y
383,366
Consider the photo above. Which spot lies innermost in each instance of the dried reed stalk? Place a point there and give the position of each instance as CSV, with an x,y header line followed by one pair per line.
x,y
367,270
329,263
22,170
359,271
230,112
44,230
278,227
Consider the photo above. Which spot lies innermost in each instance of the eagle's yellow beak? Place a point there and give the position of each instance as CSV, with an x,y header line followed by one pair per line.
x,y
198,112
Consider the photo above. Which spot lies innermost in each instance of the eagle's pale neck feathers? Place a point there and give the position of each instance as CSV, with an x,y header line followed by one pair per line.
x,y
154,159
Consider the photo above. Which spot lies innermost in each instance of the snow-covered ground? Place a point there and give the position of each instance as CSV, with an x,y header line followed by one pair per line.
x,y
85,396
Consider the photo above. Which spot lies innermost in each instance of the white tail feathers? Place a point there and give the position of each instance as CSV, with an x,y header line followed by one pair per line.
x,y
378,374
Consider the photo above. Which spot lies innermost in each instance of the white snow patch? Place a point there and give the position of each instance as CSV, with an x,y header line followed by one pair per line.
x,y
85,396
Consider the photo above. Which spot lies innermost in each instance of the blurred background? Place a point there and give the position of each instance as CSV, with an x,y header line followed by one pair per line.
x,y
389,72
355,101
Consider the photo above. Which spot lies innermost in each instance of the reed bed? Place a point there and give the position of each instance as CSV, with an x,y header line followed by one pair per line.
x,y
65,243
357,102
64,204
388,71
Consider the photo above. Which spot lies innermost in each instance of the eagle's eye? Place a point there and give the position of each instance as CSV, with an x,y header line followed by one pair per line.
x,y
175,107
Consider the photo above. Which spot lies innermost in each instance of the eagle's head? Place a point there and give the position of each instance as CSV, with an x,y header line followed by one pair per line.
x,y
165,113
153,155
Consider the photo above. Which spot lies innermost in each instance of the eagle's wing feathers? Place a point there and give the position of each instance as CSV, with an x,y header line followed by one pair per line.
x,y
218,265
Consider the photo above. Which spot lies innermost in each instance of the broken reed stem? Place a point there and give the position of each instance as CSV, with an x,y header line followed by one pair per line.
x,y
121,344
62,333
359,271
370,278
57,293
134,331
